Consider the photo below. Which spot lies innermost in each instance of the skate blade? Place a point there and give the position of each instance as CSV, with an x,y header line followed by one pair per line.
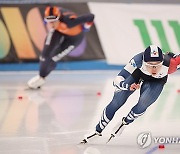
x,y
83,141
31,89
112,136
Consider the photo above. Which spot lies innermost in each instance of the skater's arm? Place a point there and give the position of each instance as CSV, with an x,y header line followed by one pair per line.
x,y
72,21
128,69
121,84
174,64
119,81
134,86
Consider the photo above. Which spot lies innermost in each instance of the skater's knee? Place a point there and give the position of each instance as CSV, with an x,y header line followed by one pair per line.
x,y
112,108
46,67
117,102
139,109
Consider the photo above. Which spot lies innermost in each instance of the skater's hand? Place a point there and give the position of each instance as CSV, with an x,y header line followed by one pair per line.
x,y
86,26
134,86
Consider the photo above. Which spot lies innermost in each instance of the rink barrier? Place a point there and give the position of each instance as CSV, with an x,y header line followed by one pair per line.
x,y
24,41
75,65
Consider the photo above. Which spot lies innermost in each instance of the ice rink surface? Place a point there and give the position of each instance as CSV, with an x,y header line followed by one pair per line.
x,y
55,118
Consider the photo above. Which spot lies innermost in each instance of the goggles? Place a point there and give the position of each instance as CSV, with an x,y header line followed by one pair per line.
x,y
52,14
51,18
153,65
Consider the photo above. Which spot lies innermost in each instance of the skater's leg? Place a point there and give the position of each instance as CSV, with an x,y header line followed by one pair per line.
x,y
150,91
51,47
50,58
56,47
118,100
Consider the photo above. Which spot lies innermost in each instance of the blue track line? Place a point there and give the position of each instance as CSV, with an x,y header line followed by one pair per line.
x,y
75,65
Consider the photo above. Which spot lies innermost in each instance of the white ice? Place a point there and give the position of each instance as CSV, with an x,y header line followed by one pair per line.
x,y
55,118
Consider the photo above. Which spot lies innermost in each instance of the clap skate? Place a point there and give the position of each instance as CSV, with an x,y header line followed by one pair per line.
x,y
90,136
118,129
36,82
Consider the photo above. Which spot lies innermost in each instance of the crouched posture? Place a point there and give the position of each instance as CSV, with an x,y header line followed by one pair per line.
x,y
67,31
150,67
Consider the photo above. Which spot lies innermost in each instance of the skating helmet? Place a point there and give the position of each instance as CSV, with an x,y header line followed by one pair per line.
x,y
52,13
153,53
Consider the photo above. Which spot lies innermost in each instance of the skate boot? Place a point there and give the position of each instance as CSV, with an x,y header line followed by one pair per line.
x,y
118,129
36,82
90,136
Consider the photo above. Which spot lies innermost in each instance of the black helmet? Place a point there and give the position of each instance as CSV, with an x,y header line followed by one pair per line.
x,y
153,53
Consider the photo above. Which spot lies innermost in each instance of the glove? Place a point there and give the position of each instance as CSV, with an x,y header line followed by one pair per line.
x,y
122,85
134,87
86,26
171,54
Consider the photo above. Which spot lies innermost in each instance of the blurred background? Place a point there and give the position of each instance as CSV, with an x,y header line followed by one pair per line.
x,y
121,29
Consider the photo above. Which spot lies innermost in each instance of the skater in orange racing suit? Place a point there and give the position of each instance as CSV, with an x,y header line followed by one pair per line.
x,y
67,31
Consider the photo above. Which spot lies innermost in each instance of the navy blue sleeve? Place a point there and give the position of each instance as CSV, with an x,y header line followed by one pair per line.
x,y
71,22
124,73
134,63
